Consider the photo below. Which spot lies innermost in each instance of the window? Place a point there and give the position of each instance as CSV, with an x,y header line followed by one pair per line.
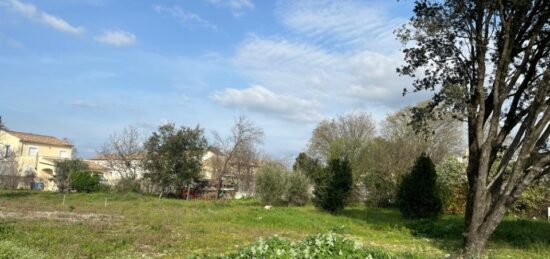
x,y
33,151
63,153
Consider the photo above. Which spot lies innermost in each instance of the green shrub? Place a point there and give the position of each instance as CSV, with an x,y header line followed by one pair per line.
x,y
297,189
128,185
418,194
534,201
271,184
11,250
334,187
453,185
83,181
327,245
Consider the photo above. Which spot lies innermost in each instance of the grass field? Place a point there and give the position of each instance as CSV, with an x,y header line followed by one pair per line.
x,y
133,225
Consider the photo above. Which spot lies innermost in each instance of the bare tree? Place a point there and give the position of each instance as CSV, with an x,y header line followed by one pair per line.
x,y
123,153
244,134
9,176
245,164
343,136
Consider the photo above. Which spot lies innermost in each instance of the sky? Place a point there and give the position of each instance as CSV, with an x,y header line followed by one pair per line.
x,y
84,69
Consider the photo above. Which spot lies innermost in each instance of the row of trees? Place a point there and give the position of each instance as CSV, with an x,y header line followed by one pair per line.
x,y
171,158
379,161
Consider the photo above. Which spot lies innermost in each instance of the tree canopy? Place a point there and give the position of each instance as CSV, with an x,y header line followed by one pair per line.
x,y
173,157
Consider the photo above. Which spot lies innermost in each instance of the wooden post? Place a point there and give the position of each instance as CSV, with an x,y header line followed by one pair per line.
x,y
63,199
105,201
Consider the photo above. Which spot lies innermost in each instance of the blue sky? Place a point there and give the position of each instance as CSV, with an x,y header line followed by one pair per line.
x,y
83,69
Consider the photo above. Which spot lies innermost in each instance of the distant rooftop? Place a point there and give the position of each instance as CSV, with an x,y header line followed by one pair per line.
x,y
39,139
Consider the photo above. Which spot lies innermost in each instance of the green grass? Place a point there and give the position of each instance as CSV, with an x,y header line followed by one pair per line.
x,y
133,225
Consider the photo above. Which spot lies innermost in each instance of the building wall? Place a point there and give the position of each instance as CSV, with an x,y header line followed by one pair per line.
x,y
37,164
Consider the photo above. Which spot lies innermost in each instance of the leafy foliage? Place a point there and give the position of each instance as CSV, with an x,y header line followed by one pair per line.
x,y
173,157
84,181
534,201
327,245
271,184
334,187
11,250
309,166
297,189
64,169
453,185
418,195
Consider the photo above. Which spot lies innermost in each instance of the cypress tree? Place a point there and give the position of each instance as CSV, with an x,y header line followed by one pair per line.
x,y
418,196
334,186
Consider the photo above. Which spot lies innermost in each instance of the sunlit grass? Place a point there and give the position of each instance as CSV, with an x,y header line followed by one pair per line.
x,y
136,225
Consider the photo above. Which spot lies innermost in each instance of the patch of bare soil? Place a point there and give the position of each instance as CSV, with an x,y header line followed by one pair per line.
x,y
60,215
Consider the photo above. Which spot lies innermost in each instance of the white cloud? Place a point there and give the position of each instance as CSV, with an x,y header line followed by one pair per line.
x,y
260,99
238,7
341,53
185,17
60,24
117,38
33,13
313,72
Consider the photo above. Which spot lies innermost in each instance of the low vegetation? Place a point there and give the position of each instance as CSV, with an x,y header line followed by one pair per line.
x,y
131,225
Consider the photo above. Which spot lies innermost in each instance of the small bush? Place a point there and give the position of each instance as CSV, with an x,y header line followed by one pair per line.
x,y
297,189
128,185
334,187
453,185
418,194
271,185
83,181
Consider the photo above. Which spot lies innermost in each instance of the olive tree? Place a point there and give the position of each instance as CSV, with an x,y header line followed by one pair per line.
x,y
173,158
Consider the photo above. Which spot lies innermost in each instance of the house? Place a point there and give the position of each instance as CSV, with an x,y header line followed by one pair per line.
x,y
114,168
35,156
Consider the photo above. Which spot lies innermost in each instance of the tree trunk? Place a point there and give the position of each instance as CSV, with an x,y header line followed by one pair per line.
x,y
483,214
218,188
188,191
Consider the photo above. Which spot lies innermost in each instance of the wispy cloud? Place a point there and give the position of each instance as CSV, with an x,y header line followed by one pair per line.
x,y
339,53
260,99
31,12
117,38
237,7
185,17
340,23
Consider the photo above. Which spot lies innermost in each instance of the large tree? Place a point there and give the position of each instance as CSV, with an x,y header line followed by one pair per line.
x,y
173,158
344,136
489,63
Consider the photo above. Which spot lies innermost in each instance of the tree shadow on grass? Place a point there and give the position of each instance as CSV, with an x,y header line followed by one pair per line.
x,y
14,194
447,230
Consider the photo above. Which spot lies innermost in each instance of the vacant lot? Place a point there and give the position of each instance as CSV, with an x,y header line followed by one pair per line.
x,y
134,225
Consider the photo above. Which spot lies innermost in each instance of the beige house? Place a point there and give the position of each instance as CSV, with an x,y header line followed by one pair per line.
x,y
35,155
